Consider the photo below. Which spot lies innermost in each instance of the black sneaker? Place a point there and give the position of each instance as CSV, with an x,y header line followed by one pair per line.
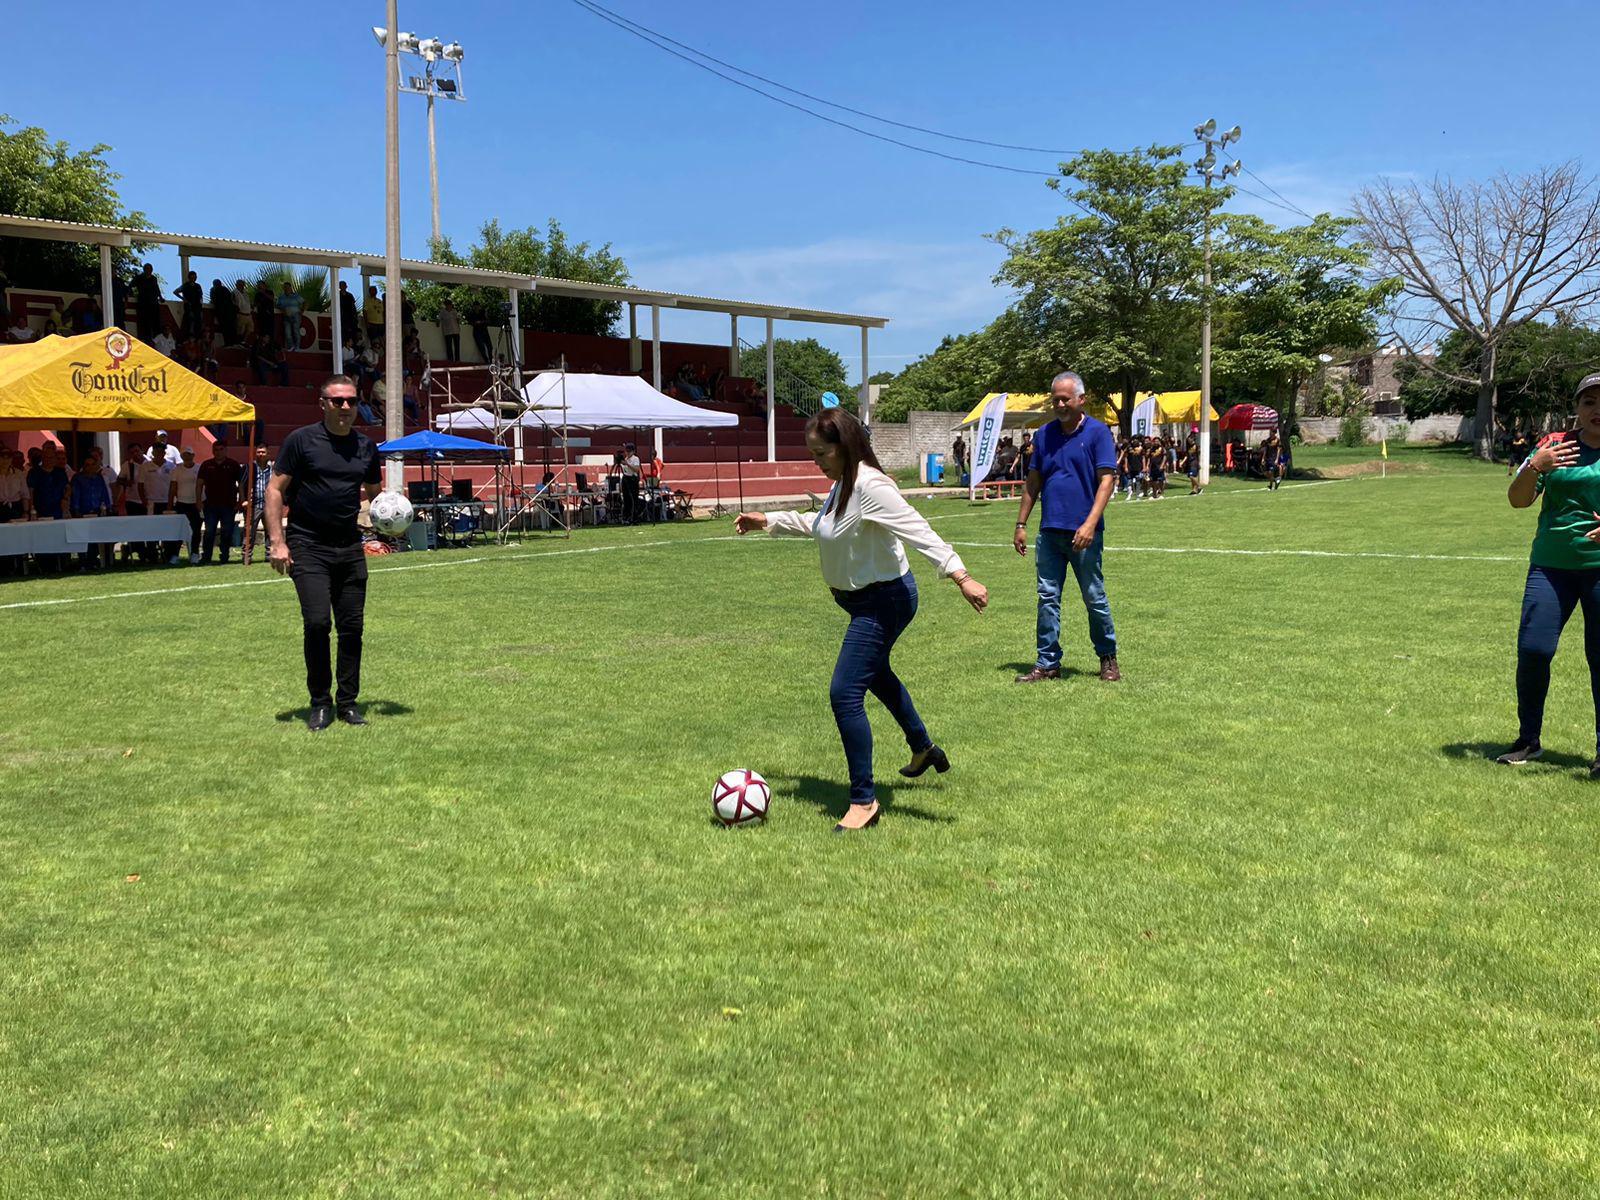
x,y
1523,751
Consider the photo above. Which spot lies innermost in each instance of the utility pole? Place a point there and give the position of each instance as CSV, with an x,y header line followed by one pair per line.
x,y
1206,135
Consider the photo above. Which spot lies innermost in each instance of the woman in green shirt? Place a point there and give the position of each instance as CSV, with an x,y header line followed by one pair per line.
x,y
1563,568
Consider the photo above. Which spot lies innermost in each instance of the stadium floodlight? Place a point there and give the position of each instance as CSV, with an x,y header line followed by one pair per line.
x,y
430,48
1204,132
382,34
408,43
454,53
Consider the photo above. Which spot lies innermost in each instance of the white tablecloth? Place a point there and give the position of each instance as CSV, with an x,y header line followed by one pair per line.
x,y
63,537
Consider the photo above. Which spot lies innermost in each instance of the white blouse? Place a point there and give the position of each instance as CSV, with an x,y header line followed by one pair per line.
x,y
861,545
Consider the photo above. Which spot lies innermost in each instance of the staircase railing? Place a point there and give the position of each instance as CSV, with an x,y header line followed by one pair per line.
x,y
802,396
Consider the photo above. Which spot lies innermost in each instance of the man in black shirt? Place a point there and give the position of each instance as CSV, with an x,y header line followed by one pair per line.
x,y
319,474
147,300
191,295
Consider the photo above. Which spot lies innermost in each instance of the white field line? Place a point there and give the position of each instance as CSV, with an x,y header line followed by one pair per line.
x,y
526,556
1497,558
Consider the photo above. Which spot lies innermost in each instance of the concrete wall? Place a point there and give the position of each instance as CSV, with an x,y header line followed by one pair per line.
x,y
901,446
1441,428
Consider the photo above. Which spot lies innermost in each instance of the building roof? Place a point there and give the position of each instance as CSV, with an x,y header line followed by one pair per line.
x,y
201,246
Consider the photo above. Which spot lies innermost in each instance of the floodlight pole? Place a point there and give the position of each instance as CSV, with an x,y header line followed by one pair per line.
x,y
433,156
1203,134
394,379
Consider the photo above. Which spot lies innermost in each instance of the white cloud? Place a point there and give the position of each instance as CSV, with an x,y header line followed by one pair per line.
x,y
926,289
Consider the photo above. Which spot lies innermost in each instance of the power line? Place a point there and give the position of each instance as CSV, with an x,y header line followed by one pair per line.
x,y
599,10
1239,187
1287,204
623,25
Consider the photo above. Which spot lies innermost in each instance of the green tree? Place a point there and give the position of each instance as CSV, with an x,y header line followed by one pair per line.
x,y
966,367
526,252
1537,368
1112,291
41,178
805,368
1289,295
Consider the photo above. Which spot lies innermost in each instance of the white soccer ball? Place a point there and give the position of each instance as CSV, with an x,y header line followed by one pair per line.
x,y
390,513
741,798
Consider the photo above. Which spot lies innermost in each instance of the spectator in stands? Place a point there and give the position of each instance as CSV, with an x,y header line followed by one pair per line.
x,y
193,298
684,383
19,332
266,308
266,359
480,335
86,314
88,496
223,314
372,313
450,327
289,305
51,329
196,356
408,313
219,480
349,324
416,374
147,303
369,365
186,500
164,343
243,303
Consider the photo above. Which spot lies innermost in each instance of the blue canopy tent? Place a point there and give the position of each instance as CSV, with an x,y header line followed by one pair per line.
x,y
460,521
437,445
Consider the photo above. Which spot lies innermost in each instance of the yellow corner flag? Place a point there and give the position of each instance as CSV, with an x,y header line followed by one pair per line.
x,y
1383,444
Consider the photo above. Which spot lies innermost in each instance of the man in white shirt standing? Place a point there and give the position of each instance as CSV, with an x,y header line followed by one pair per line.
x,y
164,343
155,492
631,468
186,500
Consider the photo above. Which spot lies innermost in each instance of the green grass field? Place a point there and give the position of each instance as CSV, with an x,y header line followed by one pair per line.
x,y
1261,920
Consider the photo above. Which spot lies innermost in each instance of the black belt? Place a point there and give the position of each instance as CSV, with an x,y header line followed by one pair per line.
x,y
843,593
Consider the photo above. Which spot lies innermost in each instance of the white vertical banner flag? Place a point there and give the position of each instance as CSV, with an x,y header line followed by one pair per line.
x,y
985,440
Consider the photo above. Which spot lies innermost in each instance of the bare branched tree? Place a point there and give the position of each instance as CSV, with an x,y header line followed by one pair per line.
x,y
1483,258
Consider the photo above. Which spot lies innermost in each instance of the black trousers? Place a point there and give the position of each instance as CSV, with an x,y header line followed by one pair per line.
x,y
630,498
331,582
191,511
452,347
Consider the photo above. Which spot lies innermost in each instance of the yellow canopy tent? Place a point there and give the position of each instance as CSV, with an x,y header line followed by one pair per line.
x,y
1032,409
1022,409
106,381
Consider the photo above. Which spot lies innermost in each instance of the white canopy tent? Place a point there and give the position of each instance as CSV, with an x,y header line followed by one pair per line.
x,y
591,402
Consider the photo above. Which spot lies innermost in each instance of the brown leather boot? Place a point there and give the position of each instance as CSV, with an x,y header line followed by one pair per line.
x,y
1109,671
1039,673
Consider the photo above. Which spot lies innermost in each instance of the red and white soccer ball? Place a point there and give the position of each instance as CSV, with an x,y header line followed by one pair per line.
x,y
741,798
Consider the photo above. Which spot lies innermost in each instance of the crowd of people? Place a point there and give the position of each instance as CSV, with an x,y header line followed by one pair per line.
x,y
212,496
1144,461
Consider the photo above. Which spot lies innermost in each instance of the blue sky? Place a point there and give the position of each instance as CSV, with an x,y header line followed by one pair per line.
x,y
265,122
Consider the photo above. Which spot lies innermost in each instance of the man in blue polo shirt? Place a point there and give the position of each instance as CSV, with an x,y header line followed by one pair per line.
x,y
1074,471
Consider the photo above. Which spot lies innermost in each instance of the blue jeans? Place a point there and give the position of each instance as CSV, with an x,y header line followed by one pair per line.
x,y
1547,601
1053,552
878,616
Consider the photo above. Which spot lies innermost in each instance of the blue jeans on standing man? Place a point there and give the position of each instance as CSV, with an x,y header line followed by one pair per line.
x,y
1053,553
1547,602
879,614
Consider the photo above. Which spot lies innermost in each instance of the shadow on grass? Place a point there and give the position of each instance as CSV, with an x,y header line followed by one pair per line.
x,y
1489,751
1022,668
833,798
367,708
